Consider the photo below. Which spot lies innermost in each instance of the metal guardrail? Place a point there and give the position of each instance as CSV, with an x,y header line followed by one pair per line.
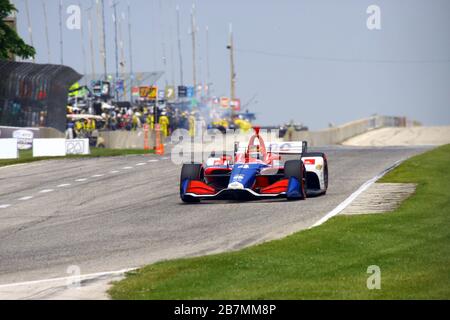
x,y
34,95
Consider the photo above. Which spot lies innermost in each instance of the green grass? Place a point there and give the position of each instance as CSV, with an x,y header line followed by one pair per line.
x,y
27,155
410,245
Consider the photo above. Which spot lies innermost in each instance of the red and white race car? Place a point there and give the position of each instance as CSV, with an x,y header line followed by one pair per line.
x,y
257,171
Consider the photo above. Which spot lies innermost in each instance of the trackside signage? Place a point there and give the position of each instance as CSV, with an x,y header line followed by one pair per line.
x,y
60,147
8,149
77,147
49,147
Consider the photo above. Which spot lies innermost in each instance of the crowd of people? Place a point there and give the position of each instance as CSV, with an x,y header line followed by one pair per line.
x,y
83,122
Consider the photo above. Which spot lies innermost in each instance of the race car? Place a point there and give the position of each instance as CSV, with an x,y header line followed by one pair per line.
x,y
254,172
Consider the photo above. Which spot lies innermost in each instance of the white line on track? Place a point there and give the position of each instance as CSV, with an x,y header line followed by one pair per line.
x,y
114,172
97,175
80,277
64,185
46,191
354,195
153,160
80,180
140,164
26,198
4,206
127,168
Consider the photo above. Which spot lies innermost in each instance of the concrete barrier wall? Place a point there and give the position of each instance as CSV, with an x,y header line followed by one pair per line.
x,y
43,133
342,133
50,133
126,139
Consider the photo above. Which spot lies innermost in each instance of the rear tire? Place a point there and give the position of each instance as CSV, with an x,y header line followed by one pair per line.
x,y
296,169
190,171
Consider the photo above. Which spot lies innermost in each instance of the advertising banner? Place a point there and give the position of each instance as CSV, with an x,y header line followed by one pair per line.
x,y
236,105
225,102
182,92
135,91
161,94
77,147
8,149
49,148
24,136
190,92
170,93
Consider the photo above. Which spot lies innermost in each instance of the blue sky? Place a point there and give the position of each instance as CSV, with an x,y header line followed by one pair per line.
x,y
314,61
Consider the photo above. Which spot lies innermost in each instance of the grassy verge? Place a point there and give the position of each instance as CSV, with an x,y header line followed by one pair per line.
x,y
27,155
410,245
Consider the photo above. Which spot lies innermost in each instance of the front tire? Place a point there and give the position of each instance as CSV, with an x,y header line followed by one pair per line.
x,y
189,172
296,169
325,167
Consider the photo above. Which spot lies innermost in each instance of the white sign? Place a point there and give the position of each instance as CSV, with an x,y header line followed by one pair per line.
x,y
25,139
49,147
8,149
78,147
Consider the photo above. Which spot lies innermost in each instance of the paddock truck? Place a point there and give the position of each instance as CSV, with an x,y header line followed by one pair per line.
x,y
254,172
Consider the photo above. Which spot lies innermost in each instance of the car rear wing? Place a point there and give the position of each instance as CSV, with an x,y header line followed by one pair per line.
x,y
289,148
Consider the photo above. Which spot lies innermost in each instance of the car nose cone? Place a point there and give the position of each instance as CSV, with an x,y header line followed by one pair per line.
x,y
236,186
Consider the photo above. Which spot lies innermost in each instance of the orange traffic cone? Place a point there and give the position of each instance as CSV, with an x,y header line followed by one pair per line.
x,y
159,150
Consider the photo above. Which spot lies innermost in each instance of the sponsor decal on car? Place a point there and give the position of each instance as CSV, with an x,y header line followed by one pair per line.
x,y
310,162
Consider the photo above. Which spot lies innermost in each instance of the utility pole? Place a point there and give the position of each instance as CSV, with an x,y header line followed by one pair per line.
x,y
163,41
122,53
61,41
91,41
194,58
179,46
207,61
233,73
114,5
30,30
44,7
130,44
101,20
83,47
172,58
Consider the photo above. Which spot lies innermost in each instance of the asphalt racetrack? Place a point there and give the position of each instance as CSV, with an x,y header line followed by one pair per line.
x,y
110,214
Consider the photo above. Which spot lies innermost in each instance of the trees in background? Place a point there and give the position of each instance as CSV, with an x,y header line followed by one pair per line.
x,y
10,42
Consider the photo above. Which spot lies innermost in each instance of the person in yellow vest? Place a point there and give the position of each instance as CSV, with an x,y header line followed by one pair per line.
x,y
89,125
78,128
134,122
150,120
246,126
224,123
243,125
164,123
192,125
